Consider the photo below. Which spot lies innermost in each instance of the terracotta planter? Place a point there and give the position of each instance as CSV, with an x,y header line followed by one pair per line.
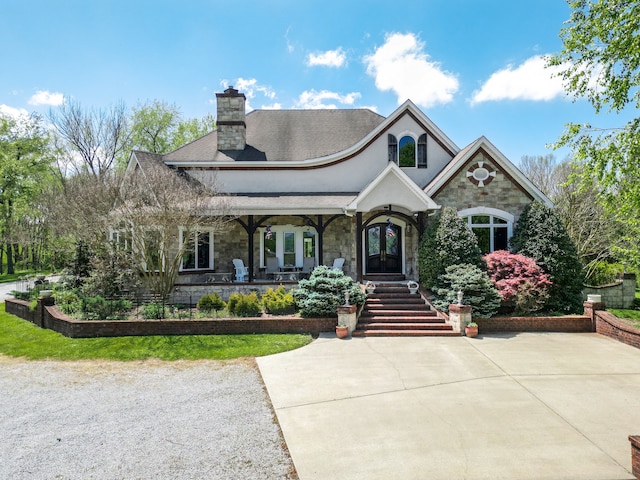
x,y
471,331
342,331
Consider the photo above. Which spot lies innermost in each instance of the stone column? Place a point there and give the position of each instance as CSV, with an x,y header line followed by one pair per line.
x,y
347,316
459,316
590,308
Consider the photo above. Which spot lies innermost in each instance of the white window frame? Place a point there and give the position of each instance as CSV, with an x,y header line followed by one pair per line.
x,y
196,231
415,150
278,232
491,212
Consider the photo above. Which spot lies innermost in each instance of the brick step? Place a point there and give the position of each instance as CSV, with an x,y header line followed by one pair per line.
x,y
401,318
402,326
402,312
405,333
382,296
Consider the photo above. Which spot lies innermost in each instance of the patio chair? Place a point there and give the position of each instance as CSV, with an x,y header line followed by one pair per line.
x,y
242,272
338,263
272,269
307,266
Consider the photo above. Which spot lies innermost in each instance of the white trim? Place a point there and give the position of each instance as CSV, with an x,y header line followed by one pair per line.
x,y
492,212
408,105
196,231
502,162
278,232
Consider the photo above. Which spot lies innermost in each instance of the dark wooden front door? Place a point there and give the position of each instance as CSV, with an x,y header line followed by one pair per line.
x,y
383,247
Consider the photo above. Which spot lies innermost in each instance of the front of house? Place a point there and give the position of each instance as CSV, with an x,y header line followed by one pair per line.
x,y
307,187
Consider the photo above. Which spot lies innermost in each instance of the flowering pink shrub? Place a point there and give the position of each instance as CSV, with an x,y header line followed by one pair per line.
x,y
518,279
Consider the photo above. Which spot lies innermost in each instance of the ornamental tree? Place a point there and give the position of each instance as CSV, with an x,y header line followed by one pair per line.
x,y
519,280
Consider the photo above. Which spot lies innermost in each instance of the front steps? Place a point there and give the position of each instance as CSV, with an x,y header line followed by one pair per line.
x,y
393,311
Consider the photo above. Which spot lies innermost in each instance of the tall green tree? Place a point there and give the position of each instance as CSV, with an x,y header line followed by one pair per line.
x,y
446,241
600,61
541,235
158,127
24,164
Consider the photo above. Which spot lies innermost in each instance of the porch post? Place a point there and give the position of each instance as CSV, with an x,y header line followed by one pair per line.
x,y
250,231
359,246
320,229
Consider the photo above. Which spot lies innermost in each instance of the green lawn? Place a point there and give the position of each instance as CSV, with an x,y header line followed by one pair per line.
x,y
19,338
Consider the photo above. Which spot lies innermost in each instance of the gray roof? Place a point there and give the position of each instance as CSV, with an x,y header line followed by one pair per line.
x,y
287,135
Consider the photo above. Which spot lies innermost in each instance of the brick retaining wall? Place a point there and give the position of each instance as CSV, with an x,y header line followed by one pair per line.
x,y
54,319
567,323
635,455
611,326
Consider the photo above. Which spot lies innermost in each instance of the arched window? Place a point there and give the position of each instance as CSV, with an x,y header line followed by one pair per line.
x,y
407,152
492,227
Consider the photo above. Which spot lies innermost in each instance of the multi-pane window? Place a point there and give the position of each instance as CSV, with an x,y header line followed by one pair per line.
x,y
289,244
198,250
289,248
491,231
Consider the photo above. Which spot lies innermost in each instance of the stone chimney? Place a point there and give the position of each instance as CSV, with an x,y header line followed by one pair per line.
x,y
232,129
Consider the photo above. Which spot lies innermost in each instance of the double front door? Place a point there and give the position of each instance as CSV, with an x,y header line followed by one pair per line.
x,y
383,247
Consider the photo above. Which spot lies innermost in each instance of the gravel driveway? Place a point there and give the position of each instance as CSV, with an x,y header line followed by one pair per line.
x,y
138,420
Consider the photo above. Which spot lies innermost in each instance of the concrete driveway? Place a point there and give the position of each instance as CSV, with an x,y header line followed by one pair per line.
x,y
523,406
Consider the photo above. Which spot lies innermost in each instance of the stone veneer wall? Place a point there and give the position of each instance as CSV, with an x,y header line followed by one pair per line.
x,y
621,294
501,193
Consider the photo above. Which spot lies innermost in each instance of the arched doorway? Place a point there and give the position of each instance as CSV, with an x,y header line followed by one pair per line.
x,y
383,247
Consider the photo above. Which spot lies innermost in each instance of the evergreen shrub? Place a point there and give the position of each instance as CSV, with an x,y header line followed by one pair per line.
x,y
278,301
323,292
478,290
541,235
244,305
211,303
447,241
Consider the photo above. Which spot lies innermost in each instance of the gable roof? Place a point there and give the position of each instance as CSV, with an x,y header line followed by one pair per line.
x,y
393,186
460,160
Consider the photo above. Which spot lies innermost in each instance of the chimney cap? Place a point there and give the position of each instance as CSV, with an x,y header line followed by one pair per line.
x,y
230,92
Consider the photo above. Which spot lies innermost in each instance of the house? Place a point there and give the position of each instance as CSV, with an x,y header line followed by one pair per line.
x,y
310,186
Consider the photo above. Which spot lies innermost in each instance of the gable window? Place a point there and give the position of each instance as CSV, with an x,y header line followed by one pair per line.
x,y
422,151
198,250
492,227
407,152
392,148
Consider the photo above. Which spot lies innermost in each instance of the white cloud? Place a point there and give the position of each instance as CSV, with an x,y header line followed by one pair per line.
x,y
402,66
13,113
331,58
311,99
528,81
251,88
43,97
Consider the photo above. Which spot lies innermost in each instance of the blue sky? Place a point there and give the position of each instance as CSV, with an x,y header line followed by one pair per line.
x,y
474,67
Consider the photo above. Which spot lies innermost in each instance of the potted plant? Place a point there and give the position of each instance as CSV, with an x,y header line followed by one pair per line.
x,y
413,287
471,329
342,331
